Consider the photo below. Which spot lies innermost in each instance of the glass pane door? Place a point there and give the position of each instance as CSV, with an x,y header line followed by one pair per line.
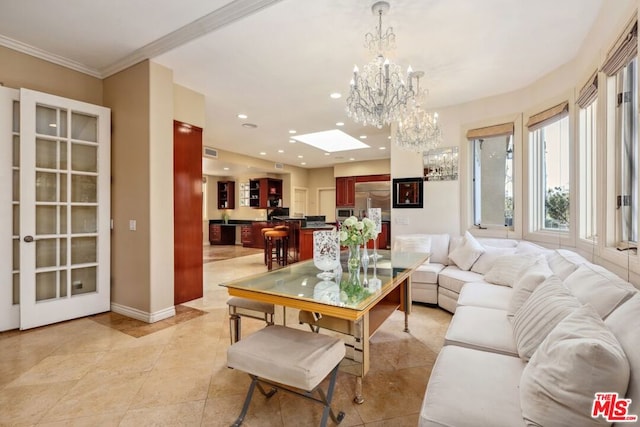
x,y
65,194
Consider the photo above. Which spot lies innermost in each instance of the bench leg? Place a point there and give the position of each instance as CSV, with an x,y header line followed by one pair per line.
x,y
327,401
247,400
234,328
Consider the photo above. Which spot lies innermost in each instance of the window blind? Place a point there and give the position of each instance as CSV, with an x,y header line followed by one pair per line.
x,y
625,48
589,92
490,131
548,116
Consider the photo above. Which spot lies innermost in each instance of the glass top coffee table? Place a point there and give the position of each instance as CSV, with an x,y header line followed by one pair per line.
x,y
355,311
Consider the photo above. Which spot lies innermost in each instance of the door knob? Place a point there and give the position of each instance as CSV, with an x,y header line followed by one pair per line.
x,y
28,239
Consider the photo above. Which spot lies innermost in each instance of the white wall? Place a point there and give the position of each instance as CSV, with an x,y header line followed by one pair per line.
x,y
446,205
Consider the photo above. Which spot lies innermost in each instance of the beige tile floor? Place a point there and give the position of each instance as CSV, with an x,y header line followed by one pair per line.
x,y
89,373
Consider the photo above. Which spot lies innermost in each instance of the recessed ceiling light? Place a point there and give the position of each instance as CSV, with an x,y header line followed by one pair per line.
x,y
336,95
293,141
300,156
249,125
389,137
363,136
292,131
383,148
351,158
262,153
242,116
331,141
280,151
327,154
225,168
303,163
340,124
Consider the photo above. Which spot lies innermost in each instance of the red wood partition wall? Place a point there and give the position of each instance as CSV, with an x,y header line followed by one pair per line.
x,y
187,210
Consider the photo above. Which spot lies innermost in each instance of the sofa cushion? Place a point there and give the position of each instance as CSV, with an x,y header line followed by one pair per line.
x,y
595,285
507,268
439,248
483,294
624,323
413,243
579,358
527,281
470,388
447,299
424,292
488,258
497,242
452,278
549,303
525,247
427,273
480,328
564,262
466,254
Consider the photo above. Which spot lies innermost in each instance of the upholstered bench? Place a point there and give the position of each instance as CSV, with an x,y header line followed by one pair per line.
x,y
289,359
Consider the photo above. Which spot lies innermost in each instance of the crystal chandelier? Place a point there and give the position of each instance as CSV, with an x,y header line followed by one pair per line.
x,y
417,129
379,92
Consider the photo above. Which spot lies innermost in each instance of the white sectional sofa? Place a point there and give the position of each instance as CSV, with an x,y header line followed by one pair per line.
x,y
535,334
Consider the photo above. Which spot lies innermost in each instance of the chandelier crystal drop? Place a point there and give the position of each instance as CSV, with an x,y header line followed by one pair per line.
x,y
380,91
417,129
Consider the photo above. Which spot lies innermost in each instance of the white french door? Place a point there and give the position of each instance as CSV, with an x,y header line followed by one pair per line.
x,y
61,210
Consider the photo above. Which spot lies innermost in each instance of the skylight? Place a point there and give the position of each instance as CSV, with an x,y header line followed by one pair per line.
x,y
331,141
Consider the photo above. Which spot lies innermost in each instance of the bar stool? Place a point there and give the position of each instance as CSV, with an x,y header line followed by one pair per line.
x,y
277,246
247,308
264,238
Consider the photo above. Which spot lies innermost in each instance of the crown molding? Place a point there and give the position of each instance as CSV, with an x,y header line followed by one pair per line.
x,y
225,15
220,17
48,56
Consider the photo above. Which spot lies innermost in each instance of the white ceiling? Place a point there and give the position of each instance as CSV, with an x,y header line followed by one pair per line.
x,y
278,60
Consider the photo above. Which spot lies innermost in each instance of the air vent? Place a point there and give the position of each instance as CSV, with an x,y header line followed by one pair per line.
x,y
209,152
279,166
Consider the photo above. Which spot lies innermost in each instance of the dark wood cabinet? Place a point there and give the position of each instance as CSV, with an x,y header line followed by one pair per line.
x,y
306,244
383,238
246,236
345,191
256,228
222,234
265,193
226,195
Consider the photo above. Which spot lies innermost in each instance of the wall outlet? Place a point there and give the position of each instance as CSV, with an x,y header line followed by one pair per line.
x,y
402,220
132,224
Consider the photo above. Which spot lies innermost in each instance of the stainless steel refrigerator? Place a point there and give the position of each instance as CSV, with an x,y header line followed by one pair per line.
x,y
379,195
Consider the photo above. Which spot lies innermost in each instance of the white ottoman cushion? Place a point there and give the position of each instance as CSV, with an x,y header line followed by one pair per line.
x,y
288,356
252,305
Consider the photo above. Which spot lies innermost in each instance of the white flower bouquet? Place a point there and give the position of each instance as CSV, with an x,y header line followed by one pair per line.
x,y
355,232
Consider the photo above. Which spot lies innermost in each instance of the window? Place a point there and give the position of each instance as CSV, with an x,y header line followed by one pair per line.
x,y
588,166
621,67
627,151
493,181
549,165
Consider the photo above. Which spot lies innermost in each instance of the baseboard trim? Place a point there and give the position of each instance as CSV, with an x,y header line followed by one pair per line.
x,y
143,315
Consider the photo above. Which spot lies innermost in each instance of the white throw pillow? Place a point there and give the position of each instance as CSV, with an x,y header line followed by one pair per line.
x,y
507,268
579,358
595,285
466,254
549,303
525,284
488,258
